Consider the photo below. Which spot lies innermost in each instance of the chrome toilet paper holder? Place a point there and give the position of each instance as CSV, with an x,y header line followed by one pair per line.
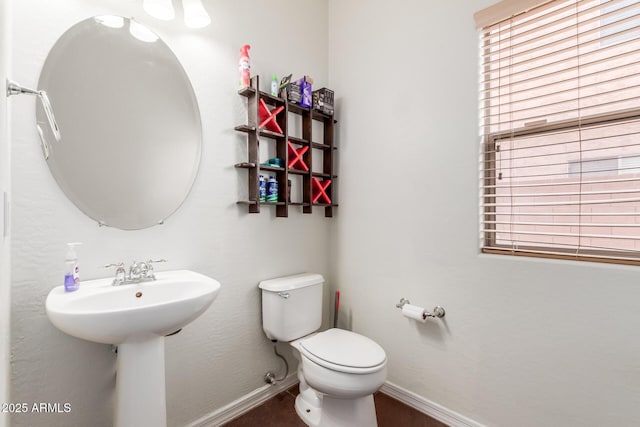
x,y
438,311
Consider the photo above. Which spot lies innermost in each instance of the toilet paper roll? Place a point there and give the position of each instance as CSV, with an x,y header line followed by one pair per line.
x,y
413,312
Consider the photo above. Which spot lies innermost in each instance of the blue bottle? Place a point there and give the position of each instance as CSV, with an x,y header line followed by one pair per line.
x,y
262,190
272,190
71,276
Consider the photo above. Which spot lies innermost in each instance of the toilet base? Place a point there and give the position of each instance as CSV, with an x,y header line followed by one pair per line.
x,y
359,412
322,410
308,413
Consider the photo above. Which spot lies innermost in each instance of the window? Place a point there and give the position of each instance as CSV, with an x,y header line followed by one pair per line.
x,y
560,125
627,19
606,166
593,167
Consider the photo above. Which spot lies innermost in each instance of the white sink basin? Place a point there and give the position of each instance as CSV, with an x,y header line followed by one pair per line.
x,y
136,317
108,314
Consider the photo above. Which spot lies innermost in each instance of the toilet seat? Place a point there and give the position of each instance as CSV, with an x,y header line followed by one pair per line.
x,y
344,351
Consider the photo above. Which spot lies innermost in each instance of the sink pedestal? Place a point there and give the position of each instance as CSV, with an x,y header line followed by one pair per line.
x,y
140,385
135,317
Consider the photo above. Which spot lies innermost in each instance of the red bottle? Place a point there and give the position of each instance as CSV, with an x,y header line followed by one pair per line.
x,y
244,65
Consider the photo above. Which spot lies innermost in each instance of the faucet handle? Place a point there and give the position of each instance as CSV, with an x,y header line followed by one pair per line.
x,y
149,265
119,264
154,261
121,274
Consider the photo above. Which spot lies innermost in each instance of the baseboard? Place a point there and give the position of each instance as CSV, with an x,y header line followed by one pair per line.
x,y
266,392
245,403
434,410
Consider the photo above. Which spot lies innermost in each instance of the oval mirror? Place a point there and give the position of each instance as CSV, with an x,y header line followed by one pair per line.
x,y
129,121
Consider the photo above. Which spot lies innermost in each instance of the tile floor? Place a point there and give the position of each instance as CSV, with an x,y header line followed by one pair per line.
x,y
279,412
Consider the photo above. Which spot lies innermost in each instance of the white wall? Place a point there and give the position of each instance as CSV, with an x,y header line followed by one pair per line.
x,y
524,342
5,289
224,354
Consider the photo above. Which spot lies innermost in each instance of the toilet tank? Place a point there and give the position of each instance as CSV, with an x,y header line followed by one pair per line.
x,y
291,306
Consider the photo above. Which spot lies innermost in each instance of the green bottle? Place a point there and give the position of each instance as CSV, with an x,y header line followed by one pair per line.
x,y
272,190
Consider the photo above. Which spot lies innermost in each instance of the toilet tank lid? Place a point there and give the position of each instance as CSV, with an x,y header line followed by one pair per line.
x,y
289,283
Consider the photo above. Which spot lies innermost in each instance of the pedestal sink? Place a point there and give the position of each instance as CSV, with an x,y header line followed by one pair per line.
x,y
135,317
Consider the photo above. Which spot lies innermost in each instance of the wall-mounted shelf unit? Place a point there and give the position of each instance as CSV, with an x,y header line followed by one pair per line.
x,y
263,126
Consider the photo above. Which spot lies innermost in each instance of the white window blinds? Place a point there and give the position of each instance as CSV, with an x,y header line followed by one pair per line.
x,y
560,119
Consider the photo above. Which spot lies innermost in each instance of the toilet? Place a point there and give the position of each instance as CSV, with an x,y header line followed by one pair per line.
x,y
338,370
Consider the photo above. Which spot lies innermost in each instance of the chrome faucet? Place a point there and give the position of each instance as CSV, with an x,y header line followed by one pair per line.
x,y
135,271
121,273
138,272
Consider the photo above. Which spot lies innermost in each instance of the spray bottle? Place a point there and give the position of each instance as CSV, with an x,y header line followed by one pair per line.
x,y
71,276
244,66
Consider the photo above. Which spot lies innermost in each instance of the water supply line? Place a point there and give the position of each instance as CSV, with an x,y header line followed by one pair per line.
x,y
14,88
270,377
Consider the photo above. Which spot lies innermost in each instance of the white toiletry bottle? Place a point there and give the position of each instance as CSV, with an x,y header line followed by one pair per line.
x,y
71,276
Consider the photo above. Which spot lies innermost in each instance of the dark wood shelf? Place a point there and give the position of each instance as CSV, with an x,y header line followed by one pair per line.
x,y
253,203
245,165
295,108
299,141
323,175
317,115
304,181
271,168
269,134
246,91
298,172
320,146
245,128
270,99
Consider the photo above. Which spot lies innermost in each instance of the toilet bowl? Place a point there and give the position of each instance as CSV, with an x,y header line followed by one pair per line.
x,y
338,370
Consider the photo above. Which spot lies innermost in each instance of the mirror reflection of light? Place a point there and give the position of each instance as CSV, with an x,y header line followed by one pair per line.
x,y
141,32
160,9
110,21
43,142
195,16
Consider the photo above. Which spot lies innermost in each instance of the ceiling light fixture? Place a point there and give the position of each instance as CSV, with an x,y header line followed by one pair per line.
x,y
195,15
160,9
